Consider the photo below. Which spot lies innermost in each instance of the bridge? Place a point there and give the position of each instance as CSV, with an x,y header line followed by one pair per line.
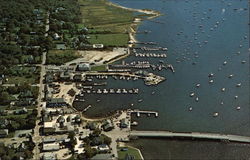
x,y
192,135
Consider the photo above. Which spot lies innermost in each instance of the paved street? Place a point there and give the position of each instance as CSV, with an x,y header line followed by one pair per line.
x,y
37,138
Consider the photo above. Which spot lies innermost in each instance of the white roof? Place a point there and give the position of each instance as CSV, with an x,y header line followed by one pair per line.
x,y
48,125
51,147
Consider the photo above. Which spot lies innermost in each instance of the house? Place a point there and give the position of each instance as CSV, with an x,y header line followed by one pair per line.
x,y
51,147
49,140
49,128
21,111
98,46
56,102
83,67
103,148
107,125
56,36
61,46
4,123
92,126
65,76
1,79
124,123
49,78
49,156
26,94
4,133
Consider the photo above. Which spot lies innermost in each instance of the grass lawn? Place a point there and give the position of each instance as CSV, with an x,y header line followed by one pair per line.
x,y
130,151
59,57
21,116
99,68
98,14
101,17
109,39
21,80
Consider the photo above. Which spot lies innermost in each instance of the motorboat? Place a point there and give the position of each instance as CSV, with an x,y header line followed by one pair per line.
x,y
192,94
216,114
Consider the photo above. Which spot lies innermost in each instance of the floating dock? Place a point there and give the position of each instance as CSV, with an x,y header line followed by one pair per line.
x,y
139,112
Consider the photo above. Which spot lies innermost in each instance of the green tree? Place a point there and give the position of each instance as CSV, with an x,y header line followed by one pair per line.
x,y
90,152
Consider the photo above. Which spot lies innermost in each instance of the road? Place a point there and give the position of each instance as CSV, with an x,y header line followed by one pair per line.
x,y
37,138
198,135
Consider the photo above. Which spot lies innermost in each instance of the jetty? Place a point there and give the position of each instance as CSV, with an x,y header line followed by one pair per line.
x,y
192,135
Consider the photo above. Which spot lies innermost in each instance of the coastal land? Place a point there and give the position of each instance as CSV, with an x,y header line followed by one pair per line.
x,y
62,60
55,59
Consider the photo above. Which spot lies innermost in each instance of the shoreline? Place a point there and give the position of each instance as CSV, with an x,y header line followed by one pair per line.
x,y
132,33
132,40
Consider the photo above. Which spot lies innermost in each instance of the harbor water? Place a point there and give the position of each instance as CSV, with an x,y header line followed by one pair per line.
x,y
208,45
202,37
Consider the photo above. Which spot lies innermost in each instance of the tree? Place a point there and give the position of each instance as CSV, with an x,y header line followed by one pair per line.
x,y
4,98
96,132
90,152
107,140
72,142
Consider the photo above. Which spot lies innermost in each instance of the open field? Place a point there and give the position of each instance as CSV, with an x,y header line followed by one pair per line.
x,y
113,40
98,14
59,57
114,22
99,68
21,75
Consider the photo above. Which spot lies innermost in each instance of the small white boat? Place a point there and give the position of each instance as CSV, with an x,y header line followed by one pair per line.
x,y
223,89
238,85
211,75
235,97
215,114
140,100
190,108
192,94
243,62
197,99
198,85
230,76
134,123
238,107
221,102
225,62
211,81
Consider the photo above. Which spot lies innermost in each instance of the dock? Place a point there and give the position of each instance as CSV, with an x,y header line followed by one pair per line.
x,y
139,112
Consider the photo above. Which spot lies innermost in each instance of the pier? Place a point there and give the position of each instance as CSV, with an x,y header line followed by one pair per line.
x,y
192,135
139,112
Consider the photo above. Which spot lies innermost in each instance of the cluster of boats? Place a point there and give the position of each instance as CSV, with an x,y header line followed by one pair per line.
x,y
112,91
153,55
